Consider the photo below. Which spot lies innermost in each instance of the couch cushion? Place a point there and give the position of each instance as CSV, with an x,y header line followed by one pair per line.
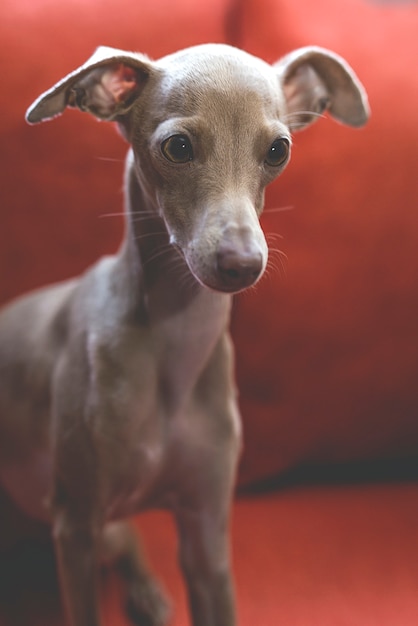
x,y
308,557
328,347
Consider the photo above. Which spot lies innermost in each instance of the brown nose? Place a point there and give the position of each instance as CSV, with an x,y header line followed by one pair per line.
x,y
239,266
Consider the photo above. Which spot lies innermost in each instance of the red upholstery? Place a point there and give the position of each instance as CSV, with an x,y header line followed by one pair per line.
x,y
51,226
328,363
307,557
327,349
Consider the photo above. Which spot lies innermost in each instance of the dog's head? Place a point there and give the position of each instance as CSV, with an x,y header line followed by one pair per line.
x,y
210,127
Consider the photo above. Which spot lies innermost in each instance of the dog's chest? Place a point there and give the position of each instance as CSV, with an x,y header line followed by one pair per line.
x,y
145,456
150,393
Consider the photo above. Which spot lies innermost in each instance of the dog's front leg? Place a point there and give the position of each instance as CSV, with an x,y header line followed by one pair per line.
x,y
205,562
76,511
77,548
213,444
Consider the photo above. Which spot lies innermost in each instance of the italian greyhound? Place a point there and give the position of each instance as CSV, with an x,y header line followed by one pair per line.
x,y
117,389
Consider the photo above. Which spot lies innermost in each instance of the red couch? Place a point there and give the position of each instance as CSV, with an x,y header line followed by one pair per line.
x,y
325,525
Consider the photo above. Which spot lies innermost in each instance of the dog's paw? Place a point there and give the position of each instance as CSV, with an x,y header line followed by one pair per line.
x,y
146,605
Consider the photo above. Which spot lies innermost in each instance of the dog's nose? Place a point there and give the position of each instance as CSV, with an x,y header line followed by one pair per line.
x,y
239,268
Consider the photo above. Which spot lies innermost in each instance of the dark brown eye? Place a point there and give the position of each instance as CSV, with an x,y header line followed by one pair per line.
x,y
177,149
278,153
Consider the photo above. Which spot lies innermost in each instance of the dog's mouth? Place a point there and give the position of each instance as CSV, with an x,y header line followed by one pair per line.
x,y
233,280
227,271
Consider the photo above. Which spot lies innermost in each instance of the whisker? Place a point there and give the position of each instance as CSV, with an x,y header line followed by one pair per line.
x,y
170,263
184,277
132,213
122,213
146,235
278,209
273,237
279,252
298,125
276,261
162,250
251,290
109,159
180,263
187,281
294,114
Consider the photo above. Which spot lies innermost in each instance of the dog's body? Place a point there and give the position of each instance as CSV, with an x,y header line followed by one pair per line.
x,y
117,390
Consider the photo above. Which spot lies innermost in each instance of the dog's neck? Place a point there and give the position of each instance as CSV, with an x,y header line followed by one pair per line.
x,y
159,291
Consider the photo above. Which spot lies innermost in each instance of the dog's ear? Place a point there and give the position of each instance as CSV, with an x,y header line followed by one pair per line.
x,y
106,85
315,80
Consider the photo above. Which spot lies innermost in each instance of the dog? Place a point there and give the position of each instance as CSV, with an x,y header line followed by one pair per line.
x,y
117,389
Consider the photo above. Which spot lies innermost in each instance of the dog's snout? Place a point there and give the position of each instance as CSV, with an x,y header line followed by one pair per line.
x,y
228,252
239,266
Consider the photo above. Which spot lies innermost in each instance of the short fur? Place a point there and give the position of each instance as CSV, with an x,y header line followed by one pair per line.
x,y
117,389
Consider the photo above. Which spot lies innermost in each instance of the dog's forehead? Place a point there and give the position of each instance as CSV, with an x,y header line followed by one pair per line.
x,y
221,69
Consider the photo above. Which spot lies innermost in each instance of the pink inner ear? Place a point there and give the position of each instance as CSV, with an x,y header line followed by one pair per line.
x,y
120,81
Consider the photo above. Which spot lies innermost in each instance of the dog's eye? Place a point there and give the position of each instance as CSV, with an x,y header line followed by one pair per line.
x,y
278,153
177,149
